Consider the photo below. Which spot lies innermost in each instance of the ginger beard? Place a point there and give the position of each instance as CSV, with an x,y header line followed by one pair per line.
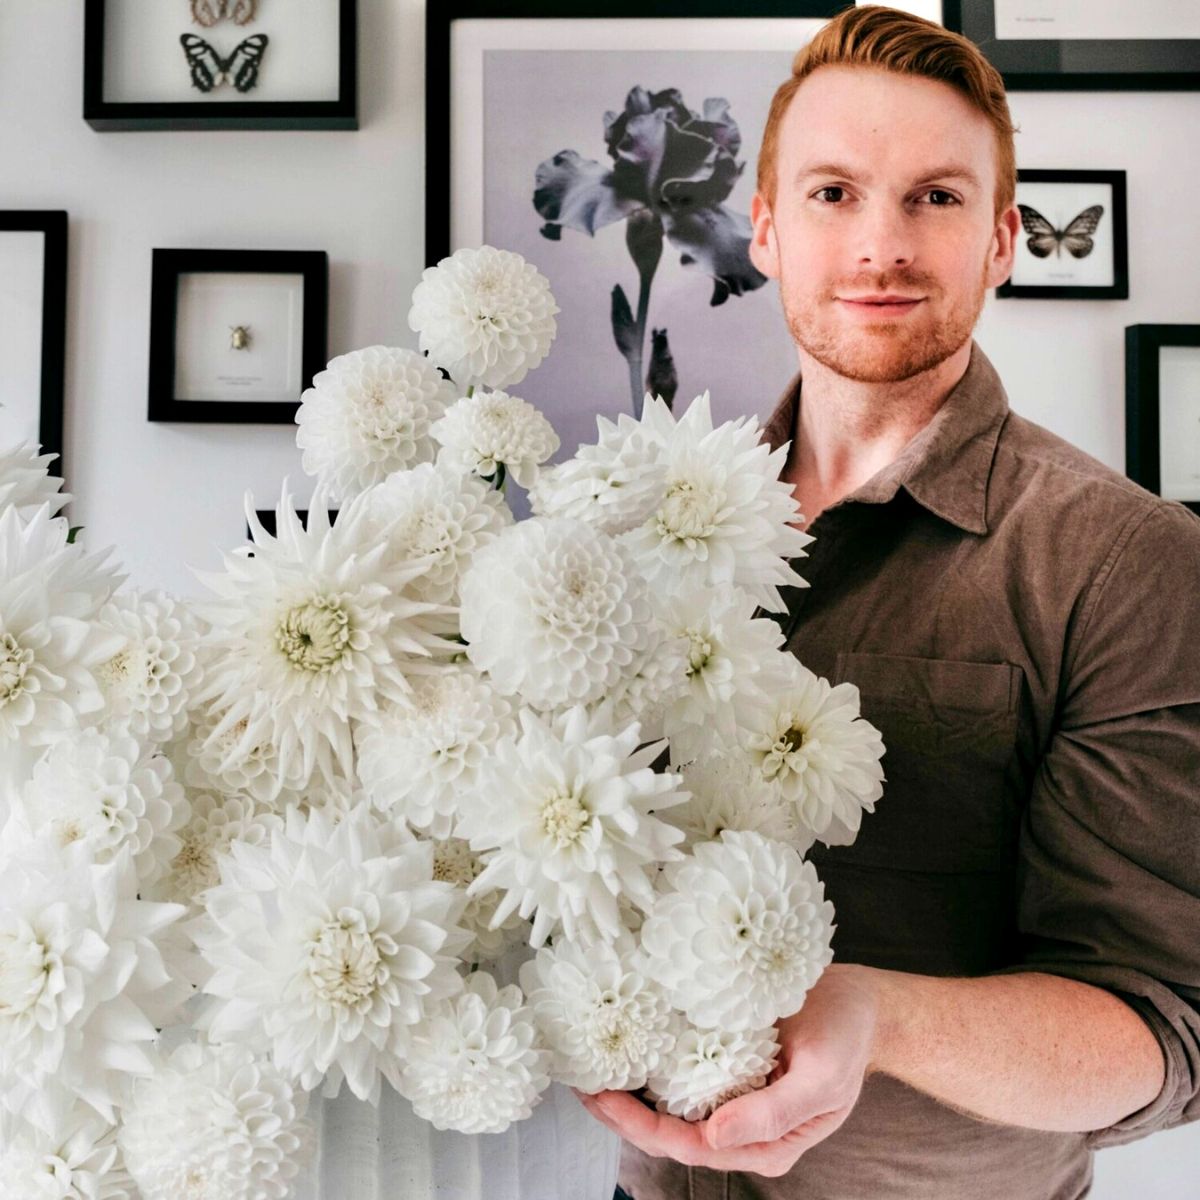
x,y
880,351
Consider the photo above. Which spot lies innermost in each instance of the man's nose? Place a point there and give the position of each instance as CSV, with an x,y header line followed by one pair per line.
x,y
885,236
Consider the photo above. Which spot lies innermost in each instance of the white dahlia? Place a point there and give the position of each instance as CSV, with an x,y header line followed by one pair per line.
x,y
77,1158
455,862
474,1065
492,433
707,1067
214,1123
430,749
648,688
740,932
554,612
486,315
148,683
313,630
823,757
26,483
368,414
568,815
326,944
88,974
606,1024
721,518
107,792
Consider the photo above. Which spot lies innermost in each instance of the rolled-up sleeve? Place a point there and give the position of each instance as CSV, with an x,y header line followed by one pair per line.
x,y
1108,875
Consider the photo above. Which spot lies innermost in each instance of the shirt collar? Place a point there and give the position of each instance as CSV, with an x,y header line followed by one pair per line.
x,y
946,465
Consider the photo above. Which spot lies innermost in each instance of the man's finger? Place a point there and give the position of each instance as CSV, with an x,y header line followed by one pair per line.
x,y
768,1114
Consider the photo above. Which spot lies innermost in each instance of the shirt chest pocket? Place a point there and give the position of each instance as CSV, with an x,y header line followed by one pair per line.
x,y
949,730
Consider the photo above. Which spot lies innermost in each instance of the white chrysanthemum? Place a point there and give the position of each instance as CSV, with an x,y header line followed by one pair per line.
x,y
315,629
614,484
26,483
648,688
722,516
490,431
107,792
368,414
707,1067
607,1025
441,515
811,743
326,944
486,315
88,974
554,612
215,1123
456,863
474,1065
432,748
76,1159
569,812
732,668
740,932
216,822
729,792
50,641
148,683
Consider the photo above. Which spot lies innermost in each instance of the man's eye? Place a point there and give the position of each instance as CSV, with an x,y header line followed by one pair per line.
x,y
833,187
940,192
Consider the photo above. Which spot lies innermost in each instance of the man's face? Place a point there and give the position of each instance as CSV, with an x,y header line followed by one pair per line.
x,y
868,202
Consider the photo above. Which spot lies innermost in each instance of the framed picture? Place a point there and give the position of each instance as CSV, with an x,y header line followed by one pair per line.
x,y
528,103
1084,45
33,328
220,64
235,335
1075,241
1162,410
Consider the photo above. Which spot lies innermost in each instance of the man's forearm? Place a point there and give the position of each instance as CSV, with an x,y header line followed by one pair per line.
x,y
1033,1050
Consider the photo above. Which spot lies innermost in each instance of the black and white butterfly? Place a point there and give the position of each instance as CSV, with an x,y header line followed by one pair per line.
x,y
209,69
209,12
1044,238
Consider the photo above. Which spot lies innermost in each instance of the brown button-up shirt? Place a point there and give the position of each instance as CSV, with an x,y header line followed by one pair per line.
x,y
1023,625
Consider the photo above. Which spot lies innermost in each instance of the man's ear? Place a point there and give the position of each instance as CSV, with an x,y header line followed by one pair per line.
x,y
1004,246
764,246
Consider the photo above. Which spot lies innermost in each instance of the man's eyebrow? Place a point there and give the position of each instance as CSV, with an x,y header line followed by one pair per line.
x,y
946,171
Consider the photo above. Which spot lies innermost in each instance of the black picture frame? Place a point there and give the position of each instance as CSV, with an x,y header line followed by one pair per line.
x,y
108,116
266,518
1090,64
167,267
1118,216
1143,428
52,223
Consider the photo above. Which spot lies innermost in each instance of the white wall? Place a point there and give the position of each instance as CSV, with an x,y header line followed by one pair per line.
x,y
167,495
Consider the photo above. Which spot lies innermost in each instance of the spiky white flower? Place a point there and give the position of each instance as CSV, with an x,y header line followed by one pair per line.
x,y
432,748
707,1067
326,944
88,974
25,480
76,1159
607,1025
106,792
569,816
490,431
313,630
649,686
368,414
215,1123
740,932
456,863
722,516
474,1065
811,743
148,683
554,612
486,315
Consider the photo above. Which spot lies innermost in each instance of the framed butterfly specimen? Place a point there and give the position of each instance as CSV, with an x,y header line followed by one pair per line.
x,y
220,64
1073,244
1162,410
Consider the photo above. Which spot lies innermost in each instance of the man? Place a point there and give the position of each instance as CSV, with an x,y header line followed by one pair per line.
x,y
1017,970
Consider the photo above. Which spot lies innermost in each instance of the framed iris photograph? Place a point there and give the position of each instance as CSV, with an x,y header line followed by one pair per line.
x,y
33,328
1074,240
1085,45
617,153
220,64
235,335
1162,410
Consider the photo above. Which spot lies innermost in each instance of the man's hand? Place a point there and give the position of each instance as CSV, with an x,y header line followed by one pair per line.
x,y
827,1049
